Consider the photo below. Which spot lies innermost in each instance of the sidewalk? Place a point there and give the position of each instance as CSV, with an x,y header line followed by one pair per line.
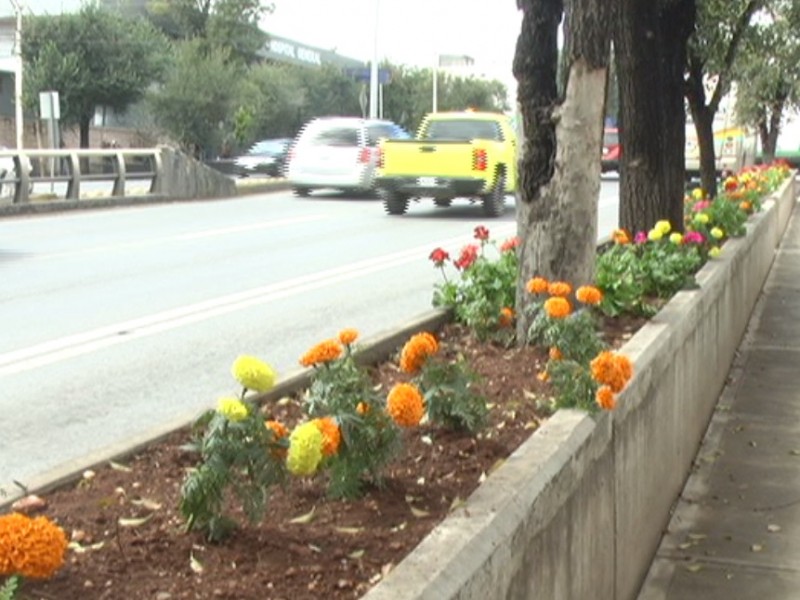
x,y
735,531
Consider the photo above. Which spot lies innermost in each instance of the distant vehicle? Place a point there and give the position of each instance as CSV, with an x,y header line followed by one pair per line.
x,y
267,157
734,148
464,154
612,150
339,153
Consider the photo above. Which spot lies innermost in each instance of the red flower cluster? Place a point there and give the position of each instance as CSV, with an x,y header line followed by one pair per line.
x,y
439,256
468,256
481,233
510,244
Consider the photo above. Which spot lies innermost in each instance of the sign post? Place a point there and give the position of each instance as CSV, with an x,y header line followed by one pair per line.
x,y
50,111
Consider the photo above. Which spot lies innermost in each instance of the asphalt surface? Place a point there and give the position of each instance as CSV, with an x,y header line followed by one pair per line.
x,y
735,530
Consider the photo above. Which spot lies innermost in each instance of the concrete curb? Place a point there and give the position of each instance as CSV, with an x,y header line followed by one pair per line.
x,y
370,350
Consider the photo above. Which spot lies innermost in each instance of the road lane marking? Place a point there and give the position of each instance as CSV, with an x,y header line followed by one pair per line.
x,y
58,349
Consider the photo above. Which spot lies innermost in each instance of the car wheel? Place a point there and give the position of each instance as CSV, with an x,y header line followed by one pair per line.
x,y
301,192
395,203
443,202
495,201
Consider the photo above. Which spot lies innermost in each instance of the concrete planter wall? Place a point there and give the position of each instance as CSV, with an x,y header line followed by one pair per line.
x,y
578,510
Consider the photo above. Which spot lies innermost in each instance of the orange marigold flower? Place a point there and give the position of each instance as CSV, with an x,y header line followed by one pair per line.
x,y
602,366
348,336
557,307
588,294
745,206
31,547
611,369
543,376
405,404
323,352
555,354
624,366
559,288
621,237
605,398
417,350
331,435
278,429
506,316
537,285
362,408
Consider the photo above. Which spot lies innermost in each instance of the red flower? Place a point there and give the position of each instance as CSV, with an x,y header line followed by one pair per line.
x,y
481,233
509,244
438,256
468,255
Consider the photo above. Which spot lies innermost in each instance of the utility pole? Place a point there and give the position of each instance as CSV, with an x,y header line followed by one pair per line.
x,y
18,122
373,73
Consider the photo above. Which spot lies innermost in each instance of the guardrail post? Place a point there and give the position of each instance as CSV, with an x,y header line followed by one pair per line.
x,y
158,172
74,183
119,180
22,183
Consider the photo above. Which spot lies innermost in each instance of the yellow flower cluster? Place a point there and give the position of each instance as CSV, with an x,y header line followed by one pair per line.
x,y
305,449
613,371
417,350
659,230
232,409
253,373
405,404
31,547
324,352
331,435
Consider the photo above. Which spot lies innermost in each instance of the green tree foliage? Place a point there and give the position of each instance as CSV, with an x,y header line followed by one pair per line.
x,y
196,104
768,73
92,58
713,49
232,25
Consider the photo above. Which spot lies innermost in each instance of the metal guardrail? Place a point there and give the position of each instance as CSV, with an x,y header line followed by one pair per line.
x,y
81,165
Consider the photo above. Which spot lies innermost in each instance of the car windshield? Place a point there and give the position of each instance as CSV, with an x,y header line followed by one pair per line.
x,y
462,129
337,136
268,147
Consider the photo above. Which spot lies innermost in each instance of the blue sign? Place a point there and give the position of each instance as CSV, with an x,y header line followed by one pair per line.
x,y
363,74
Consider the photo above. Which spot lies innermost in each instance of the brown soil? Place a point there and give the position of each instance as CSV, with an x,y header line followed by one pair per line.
x,y
345,549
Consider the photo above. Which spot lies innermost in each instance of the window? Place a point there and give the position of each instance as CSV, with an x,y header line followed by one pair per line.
x,y
339,136
384,130
466,130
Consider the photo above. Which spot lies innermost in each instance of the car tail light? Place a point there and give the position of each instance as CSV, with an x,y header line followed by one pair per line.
x,y
479,159
364,155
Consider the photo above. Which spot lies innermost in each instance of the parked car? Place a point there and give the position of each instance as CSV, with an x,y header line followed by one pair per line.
x,y
267,157
339,153
612,150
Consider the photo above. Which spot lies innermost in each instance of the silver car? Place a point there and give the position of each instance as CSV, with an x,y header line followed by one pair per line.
x,y
338,153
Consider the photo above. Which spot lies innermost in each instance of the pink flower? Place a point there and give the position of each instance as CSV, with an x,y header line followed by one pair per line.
x,y
481,233
509,244
438,256
693,237
640,237
702,205
468,255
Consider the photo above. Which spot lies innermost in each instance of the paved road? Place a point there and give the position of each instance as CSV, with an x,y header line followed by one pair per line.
x,y
115,320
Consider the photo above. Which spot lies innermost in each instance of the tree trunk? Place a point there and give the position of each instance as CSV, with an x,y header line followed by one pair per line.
x,y
768,130
704,125
560,156
84,131
650,49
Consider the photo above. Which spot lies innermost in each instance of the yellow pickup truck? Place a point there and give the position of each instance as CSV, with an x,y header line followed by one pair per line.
x,y
454,154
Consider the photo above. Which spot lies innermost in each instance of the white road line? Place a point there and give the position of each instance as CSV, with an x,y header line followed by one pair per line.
x,y
62,348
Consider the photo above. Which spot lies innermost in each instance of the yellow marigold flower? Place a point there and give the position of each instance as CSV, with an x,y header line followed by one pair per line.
x,y
30,547
362,408
701,218
621,237
676,238
714,252
417,350
654,235
537,285
305,449
405,404
232,409
717,233
555,354
559,288
506,316
663,226
605,398
253,373
589,294
697,193
324,352
348,336
331,435
557,307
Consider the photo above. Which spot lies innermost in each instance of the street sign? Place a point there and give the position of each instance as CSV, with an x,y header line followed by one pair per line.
x,y
362,74
49,106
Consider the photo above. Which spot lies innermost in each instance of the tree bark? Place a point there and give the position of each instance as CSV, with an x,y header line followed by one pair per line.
x,y
650,48
560,155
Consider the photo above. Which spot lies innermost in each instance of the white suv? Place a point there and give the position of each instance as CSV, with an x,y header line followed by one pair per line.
x,y
338,153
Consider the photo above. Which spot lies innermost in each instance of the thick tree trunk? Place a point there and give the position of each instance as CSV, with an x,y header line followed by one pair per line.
x,y
703,118
84,132
650,49
560,161
768,130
